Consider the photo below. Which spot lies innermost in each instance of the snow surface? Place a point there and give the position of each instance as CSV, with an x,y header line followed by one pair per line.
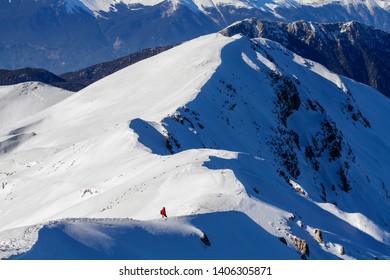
x,y
130,239
23,100
196,129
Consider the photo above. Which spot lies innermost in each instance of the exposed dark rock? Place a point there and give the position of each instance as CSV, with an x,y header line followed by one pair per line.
x,y
205,239
11,77
318,235
283,146
283,240
301,245
342,250
287,99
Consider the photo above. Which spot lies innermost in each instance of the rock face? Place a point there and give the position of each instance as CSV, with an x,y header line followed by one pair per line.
x,y
351,49
302,246
318,235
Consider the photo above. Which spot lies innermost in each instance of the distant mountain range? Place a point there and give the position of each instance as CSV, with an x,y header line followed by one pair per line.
x,y
67,35
12,77
351,49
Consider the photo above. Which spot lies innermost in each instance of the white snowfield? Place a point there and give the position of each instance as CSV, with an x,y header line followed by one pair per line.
x,y
25,99
191,129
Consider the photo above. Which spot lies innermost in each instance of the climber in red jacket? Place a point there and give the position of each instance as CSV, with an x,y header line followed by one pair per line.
x,y
163,212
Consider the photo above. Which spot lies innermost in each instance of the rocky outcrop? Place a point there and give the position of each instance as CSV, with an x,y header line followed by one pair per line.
x,y
301,245
318,235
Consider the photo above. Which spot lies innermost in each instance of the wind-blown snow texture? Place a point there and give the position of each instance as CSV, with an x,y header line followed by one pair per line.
x,y
217,124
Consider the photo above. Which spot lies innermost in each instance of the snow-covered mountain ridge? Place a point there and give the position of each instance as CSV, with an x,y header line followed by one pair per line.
x,y
350,49
107,5
218,124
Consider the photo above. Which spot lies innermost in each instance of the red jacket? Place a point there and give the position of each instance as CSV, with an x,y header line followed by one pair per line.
x,y
163,212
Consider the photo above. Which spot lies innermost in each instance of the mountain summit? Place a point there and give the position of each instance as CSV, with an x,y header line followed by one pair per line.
x,y
295,153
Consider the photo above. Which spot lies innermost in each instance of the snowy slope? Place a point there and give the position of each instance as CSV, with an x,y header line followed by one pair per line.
x,y
216,124
23,100
129,239
350,49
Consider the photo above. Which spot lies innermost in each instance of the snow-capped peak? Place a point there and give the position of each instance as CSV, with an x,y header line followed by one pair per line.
x,y
261,3
95,6
384,4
